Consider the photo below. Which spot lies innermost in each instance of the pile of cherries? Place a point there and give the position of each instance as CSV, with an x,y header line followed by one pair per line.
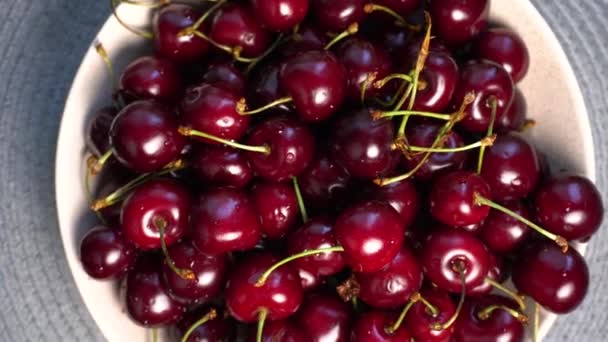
x,y
331,170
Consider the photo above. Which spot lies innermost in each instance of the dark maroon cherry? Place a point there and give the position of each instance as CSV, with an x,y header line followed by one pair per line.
x,y
496,272
324,182
224,220
221,166
209,271
371,234
393,285
473,325
235,25
325,317
155,205
336,15
281,294
458,21
452,199
506,48
144,137
280,331
212,110
277,207
502,233
308,37
168,22
279,15
372,327
98,131
105,253
570,206
447,253
315,80
439,78
263,87
419,318
402,196
515,117
291,145
556,280
148,300
226,76
215,330
153,78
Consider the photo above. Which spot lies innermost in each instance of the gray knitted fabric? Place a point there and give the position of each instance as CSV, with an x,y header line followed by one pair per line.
x,y
41,45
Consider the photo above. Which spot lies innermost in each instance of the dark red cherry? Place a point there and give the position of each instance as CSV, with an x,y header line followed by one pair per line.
x,y
371,234
392,38
148,300
502,233
448,249
505,47
371,327
570,206
515,117
105,253
226,76
556,280
452,199
279,15
362,145
224,220
324,182
496,272
98,131
281,294
488,81
281,331
402,196
392,286
152,78
439,77
235,25
215,330
325,317
291,144
168,22
220,165
212,110
144,137
336,15
277,207
419,318
263,87
159,203
500,325
458,21
315,80
210,273
308,37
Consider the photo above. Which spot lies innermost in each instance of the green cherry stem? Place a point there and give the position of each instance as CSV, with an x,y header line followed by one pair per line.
x,y
161,225
463,293
241,105
494,105
487,141
95,165
350,30
301,205
535,334
391,329
199,22
154,335
262,314
101,51
189,132
376,115
516,297
211,315
142,33
486,312
382,82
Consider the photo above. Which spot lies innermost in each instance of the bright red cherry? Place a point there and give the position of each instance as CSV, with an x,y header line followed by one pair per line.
x,y
220,165
168,22
419,319
371,327
279,15
506,48
106,254
151,78
277,207
458,21
496,272
502,233
325,317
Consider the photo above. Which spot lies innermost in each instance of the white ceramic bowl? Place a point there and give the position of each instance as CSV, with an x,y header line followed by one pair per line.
x,y
553,95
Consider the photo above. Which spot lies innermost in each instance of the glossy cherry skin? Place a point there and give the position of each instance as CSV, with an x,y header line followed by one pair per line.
x,y
151,78
402,196
362,145
210,272
457,21
570,206
515,117
224,220
168,22
226,76
323,182
361,58
148,301
98,131
106,254
279,15
419,319
215,330
220,165
499,326
158,199
393,285
283,331
325,317
235,25
502,233
292,147
452,199
281,294
487,80
506,48
371,327
263,87
277,207
444,250
371,234
144,137
315,80
496,272
558,281
211,109
336,15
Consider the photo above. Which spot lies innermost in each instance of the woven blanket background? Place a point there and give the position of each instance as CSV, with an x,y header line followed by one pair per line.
x,y
41,45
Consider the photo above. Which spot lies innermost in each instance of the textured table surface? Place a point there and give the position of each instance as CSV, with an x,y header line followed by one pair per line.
x,y
41,45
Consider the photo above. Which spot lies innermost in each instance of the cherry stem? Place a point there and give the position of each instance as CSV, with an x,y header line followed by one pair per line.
x,y
406,149
199,22
96,164
527,125
494,105
394,98
189,132
261,320
101,51
516,297
389,114
241,105
355,301
369,8
154,335
433,310
161,225
211,315
301,204
262,280
87,190
141,33
486,312
381,83
560,241
268,51
535,335
369,81
422,55
463,292
148,4
350,30
391,329
404,120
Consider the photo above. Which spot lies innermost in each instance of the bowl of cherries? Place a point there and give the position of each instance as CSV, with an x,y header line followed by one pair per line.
x,y
316,170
